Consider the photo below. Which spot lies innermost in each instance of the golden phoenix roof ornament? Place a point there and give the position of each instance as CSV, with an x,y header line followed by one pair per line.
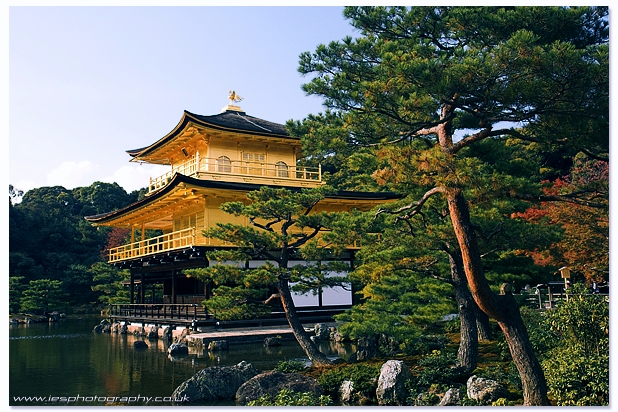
x,y
234,98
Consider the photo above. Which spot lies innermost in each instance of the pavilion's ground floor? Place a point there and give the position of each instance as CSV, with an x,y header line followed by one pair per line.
x,y
160,293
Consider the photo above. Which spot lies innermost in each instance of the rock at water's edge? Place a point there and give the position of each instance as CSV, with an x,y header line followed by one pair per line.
x,y
215,383
271,383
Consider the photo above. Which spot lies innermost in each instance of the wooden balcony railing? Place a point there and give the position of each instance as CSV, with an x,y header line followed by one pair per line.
x,y
159,244
181,239
229,169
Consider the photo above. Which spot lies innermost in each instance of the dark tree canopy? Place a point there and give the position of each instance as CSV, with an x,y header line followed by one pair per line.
x,y
50,239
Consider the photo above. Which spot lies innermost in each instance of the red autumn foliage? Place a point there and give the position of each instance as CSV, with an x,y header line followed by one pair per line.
x,y
584,246
116,237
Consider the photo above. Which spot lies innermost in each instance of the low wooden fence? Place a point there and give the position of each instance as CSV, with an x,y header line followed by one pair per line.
x,y
160,311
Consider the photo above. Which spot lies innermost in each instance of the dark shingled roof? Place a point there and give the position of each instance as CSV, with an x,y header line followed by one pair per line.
x,y
241,121
229,120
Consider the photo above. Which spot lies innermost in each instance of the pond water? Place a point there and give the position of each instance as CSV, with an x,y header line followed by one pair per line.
x,y
65,363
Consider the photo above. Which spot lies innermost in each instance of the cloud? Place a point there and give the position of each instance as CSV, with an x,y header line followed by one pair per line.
x,y
71,174
134,177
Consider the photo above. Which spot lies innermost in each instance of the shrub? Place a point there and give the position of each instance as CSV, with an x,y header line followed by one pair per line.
x,y
290,366
575,378
287,397
428,397
453,325
425,344
364,376
542,337
505,374
425,399
437,368
572,342
502,402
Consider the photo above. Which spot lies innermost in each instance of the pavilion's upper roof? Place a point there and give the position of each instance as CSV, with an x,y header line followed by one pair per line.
x,y
230,121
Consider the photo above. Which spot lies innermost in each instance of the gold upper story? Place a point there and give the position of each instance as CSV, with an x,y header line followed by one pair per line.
x,y
231,147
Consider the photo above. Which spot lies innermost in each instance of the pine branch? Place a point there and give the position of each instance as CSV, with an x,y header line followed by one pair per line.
x,y
413,208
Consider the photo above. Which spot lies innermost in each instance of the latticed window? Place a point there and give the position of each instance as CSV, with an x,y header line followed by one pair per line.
x,y
282,169
224,164
253,157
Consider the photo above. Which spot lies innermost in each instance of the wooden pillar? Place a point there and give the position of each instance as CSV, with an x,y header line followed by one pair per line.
x,y
173,286
132,288
142,289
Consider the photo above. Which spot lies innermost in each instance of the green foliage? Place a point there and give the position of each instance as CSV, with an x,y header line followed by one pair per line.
x,y
502,402
467,401
506,374
287,397
426,344
436,368
582,319
542,337
102,197
400,304
108,282
572,341
462,103
453,325
290,366
575,378
16,288
399,297
43,296
365,377
577,367
423,399
50,239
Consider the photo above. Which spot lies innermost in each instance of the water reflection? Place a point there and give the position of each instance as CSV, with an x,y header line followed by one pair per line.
x,y
67,360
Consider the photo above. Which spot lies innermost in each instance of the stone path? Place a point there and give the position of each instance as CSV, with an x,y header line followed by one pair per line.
x,y
244,335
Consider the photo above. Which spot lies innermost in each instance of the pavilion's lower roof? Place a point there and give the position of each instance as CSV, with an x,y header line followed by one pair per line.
x,y
180,182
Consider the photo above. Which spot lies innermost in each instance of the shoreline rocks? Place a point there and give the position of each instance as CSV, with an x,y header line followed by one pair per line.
x,y
215,383
178,349
270,383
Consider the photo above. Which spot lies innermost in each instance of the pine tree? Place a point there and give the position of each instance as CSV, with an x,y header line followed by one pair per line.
x,y
450,78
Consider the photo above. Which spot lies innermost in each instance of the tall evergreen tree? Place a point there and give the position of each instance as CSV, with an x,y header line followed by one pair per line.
x,y
453,77
283,227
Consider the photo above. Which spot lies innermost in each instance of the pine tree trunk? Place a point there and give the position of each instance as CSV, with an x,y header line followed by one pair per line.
x,y
502,308
531,373
467,355
482,324
312,351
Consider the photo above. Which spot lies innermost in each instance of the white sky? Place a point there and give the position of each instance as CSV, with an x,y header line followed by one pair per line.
x,y
88,83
